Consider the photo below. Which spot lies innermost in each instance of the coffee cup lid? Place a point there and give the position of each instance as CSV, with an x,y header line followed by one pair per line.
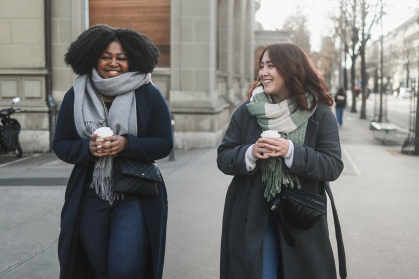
x,y
103,130
270,133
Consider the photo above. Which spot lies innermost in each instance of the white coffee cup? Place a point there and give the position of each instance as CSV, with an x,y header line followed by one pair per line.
x,y
103,133
270,134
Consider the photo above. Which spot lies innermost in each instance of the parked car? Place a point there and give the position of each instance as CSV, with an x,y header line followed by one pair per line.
x,y
404,93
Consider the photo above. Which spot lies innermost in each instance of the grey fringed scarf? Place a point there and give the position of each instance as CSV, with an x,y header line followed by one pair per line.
x,y
291,123
89,115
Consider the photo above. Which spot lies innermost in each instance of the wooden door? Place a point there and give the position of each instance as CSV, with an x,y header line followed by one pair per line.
x,y
151,18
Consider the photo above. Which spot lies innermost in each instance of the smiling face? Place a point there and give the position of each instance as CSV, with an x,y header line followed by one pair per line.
x,y
113,61
273,82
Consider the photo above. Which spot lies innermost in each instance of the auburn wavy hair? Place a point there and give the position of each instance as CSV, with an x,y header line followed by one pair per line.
x,y
299,73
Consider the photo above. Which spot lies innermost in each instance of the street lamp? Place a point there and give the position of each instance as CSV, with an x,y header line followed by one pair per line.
x,y
380,106
380,113
417,103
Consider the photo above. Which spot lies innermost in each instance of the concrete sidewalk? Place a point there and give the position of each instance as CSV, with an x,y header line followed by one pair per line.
x,y
375,197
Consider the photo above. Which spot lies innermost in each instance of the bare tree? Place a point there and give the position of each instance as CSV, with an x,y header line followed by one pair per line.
x,y
296,25
369,17
325,59
354,23
342,31
345,42
408,54
391,58
352,13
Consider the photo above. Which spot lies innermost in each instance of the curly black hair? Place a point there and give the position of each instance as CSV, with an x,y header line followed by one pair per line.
x,y
83,54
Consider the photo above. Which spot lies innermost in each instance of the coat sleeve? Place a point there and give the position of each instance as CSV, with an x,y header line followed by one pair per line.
x,y
67,145
232,151
323,162
159,140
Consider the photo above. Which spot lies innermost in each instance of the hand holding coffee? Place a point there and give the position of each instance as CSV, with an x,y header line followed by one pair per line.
x,y
270,134
102,133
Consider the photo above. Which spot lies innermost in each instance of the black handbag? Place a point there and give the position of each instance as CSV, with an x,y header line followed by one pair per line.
x,y
299,208
134,177
302,209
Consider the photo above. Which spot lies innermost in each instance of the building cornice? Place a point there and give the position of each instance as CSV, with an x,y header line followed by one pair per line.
x,y
35,72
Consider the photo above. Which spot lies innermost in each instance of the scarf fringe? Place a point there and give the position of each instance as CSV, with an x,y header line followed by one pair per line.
x,y
104,186
273,177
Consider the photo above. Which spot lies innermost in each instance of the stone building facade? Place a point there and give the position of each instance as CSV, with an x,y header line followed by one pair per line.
x,y
205,68
400,56
23,68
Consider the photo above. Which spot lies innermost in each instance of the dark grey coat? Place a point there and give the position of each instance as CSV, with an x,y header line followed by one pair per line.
x,y
246,211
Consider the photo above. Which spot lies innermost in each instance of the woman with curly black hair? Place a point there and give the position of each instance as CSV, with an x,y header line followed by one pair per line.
x,y
105,234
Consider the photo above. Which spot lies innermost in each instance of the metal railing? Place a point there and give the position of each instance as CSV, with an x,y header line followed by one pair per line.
x,y
411,143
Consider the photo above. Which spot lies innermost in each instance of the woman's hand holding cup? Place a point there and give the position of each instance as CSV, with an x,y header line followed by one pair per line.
x,y
278,146
270,145
95,146
104,143
114,144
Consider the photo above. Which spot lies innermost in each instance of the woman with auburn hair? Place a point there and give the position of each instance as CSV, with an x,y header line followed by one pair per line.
x,y
290,99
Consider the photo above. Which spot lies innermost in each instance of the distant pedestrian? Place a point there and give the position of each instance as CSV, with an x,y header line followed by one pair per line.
x,y
289,97
340,102
104,234
356,92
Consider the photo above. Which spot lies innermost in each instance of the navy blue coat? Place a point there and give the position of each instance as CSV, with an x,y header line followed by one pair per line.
x,y
154,141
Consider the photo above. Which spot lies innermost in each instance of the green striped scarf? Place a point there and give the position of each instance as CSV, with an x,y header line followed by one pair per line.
x,y
291,123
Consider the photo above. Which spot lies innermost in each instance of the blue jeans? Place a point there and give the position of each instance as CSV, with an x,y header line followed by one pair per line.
x,y
114,237
271,251
339,115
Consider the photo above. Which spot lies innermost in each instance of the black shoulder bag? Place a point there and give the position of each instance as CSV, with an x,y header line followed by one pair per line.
x,y
302,209
135,177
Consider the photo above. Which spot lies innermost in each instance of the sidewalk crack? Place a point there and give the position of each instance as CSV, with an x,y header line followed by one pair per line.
x,y
13,267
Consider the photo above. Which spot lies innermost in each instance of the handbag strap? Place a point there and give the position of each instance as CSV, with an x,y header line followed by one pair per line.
x,y
338,232
285,232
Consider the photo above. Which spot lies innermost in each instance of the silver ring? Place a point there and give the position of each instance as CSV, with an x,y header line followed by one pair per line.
x,y
274,152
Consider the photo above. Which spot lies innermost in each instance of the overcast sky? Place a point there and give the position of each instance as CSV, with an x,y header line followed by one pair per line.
x,y
273,13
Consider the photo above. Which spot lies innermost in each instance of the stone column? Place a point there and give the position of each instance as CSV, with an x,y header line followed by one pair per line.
x,y
240,42
250,40
200,116
67,24
227,51
22,69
